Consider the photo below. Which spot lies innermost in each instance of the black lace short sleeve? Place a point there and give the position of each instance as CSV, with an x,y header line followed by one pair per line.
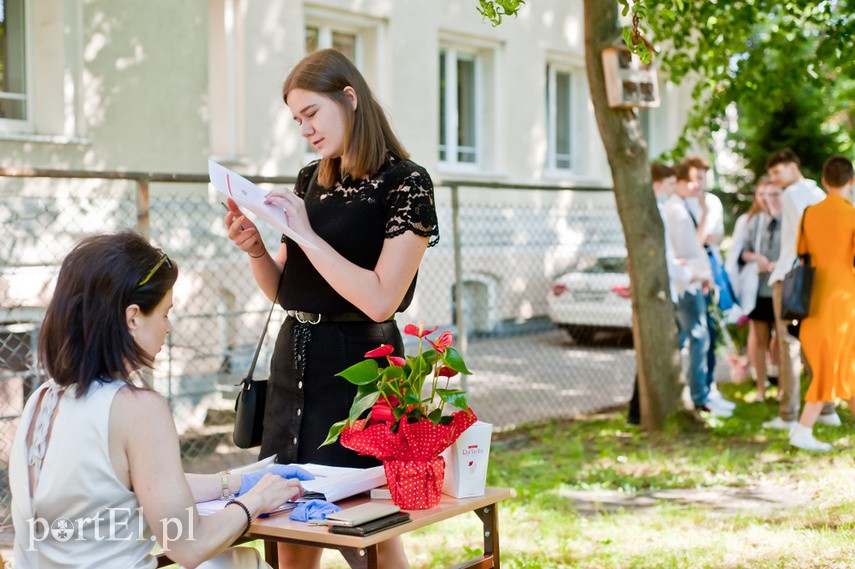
x,y
411,203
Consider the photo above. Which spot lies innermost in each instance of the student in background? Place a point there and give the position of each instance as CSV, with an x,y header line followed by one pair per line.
x,y
664,181
799,193
828,332
762,248
691,306
707,214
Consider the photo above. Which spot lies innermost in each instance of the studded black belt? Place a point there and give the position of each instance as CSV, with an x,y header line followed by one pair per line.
x,y
315,318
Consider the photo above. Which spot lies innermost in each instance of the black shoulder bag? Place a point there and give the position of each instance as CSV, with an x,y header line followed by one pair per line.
x,y
250,402
798,284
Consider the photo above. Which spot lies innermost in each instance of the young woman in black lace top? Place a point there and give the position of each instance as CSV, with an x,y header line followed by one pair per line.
x,y
369,214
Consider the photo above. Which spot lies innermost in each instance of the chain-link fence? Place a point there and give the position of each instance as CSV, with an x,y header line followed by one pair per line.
x,y
514,270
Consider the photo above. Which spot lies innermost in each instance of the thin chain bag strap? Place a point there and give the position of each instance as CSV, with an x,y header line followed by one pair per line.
x,y
252,398
263,332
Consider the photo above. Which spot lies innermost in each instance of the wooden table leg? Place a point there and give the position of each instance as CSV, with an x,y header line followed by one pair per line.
x,y
371,554
271,553
490,518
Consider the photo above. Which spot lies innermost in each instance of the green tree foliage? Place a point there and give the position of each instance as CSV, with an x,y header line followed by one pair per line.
x,y
785,64
495,10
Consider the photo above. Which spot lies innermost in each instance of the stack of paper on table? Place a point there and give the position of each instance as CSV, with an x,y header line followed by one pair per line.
x,y
334,482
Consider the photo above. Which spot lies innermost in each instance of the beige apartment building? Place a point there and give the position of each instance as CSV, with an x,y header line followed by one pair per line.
x,y
165,85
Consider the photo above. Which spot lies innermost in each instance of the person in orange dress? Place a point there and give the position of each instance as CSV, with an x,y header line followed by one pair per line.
x,y
828,334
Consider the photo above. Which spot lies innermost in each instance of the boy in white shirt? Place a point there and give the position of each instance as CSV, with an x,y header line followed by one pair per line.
x,y
691,305
799,193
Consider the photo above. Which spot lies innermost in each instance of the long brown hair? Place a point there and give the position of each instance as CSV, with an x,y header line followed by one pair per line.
x,y
85,336
368,136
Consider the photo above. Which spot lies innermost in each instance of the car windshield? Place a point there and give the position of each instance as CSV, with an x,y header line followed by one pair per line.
x,y
607,265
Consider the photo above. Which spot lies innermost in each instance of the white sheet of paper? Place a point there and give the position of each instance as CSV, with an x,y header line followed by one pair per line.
x,y
337,483
250,197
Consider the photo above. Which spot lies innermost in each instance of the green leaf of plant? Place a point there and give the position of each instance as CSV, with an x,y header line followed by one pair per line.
x,y
393,372
420,368
388,389
454,360
627,37
435,416
334,432
455,397
361,404
411,399
364,372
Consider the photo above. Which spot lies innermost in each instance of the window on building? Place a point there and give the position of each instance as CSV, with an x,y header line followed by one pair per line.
x,y
458,107
560,118
13,68
323,37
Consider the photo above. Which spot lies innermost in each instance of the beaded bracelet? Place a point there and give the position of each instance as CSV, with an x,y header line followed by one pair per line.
x,y
245,510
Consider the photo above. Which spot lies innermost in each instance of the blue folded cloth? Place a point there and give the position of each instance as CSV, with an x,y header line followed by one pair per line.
x,y
313,510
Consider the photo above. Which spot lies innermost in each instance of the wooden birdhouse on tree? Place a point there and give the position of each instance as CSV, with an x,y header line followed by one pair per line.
x,y
629,81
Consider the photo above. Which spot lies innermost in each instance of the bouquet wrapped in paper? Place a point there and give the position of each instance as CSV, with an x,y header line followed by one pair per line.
x,y
403,429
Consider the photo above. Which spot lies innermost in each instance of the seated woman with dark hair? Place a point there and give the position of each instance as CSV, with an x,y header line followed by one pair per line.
x,y
95,472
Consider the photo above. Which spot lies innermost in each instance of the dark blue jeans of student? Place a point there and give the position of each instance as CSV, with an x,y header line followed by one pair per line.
x,y
692,319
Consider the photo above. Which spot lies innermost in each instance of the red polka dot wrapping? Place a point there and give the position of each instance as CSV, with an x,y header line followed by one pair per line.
x,y
415,484
414,469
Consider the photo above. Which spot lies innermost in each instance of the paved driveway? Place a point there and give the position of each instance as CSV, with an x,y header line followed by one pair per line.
x,y
532,377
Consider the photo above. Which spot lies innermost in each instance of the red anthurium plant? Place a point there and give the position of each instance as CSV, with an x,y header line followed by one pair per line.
x,y
411,389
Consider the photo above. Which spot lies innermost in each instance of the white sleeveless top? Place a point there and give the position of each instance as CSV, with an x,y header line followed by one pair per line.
x,y
81,514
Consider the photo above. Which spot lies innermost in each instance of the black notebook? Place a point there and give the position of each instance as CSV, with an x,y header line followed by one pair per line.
x,y
373,526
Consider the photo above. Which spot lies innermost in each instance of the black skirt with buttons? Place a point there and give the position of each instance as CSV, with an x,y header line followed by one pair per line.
x,y
305,397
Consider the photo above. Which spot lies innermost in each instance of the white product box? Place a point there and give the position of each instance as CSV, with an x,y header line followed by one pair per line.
x,y
466,462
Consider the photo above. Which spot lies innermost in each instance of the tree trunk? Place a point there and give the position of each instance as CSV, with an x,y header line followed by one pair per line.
x,y
654,329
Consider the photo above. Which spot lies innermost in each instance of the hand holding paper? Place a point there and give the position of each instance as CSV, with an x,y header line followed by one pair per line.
x,y
252,198
294,208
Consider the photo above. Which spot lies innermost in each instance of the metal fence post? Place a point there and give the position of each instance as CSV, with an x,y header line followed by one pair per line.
x,y
458,278
143,207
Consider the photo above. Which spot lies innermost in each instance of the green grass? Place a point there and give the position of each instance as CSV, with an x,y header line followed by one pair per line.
x,y
548,524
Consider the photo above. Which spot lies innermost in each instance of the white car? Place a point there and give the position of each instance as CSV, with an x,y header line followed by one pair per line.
x,y
593,298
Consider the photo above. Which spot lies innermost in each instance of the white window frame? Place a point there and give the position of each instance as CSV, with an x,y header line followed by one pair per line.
x,y
25,125
452,54
552,112
577,113
369,46
227,80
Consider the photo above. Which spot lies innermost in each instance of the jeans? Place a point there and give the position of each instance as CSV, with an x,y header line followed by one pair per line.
x,y
711,352
692,318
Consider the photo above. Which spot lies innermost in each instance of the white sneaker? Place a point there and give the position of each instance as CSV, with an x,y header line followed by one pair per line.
x,y
779,424
802,437
832,420
716,409
715,395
